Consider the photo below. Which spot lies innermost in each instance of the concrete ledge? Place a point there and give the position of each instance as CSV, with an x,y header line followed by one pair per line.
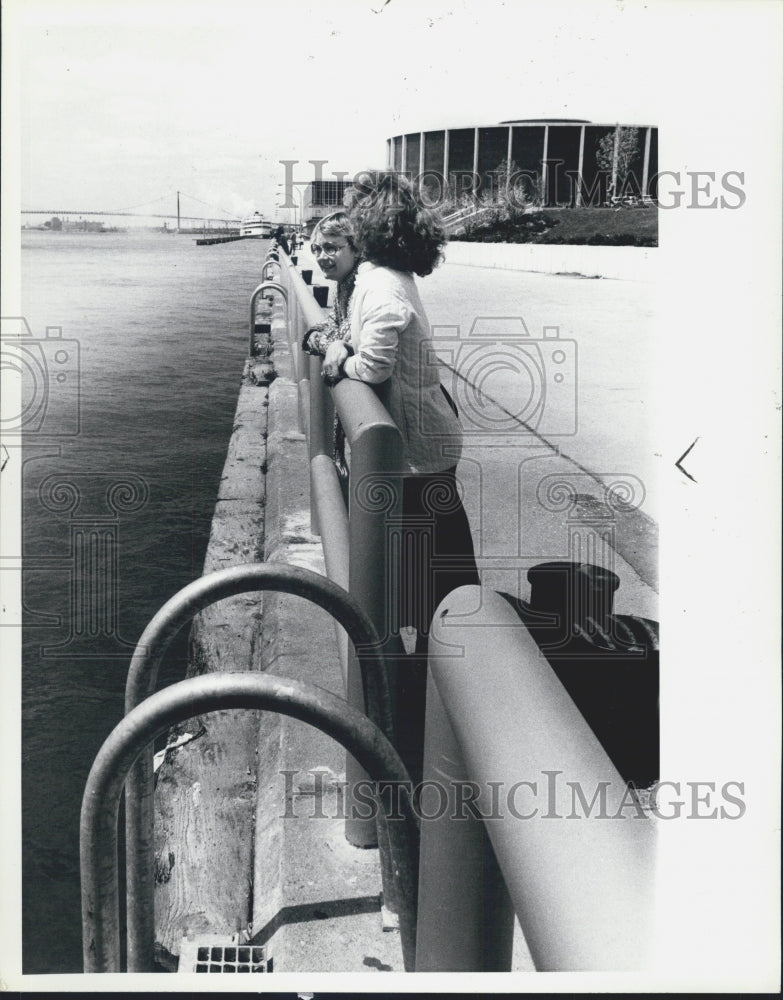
x,y
628,263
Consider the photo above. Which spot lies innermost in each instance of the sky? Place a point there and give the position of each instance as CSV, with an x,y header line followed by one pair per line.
x,y
122,104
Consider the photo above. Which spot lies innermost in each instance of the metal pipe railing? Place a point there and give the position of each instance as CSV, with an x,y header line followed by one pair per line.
x,y
142,679
275,286
576,857
373,504
208,693
321,405
327,499
293,322
306,315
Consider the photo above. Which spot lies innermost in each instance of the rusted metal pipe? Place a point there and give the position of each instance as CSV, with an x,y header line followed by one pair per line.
x,y
575,848
142,679
213,692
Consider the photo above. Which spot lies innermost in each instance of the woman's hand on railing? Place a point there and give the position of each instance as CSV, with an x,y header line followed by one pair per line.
x,y
311,342
337,353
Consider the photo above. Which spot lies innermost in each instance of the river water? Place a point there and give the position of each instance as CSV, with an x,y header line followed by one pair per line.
x,y
122,466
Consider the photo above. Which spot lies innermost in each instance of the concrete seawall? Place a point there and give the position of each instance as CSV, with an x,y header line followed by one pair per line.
x,y
627,263
206,789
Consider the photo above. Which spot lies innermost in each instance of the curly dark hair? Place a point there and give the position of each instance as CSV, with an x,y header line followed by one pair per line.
x,y
393,228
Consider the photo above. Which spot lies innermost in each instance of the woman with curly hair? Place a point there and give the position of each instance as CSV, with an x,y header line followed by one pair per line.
x,y
388,345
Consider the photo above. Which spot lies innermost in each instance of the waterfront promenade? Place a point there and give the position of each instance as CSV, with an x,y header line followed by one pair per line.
x,y
596,428
306,896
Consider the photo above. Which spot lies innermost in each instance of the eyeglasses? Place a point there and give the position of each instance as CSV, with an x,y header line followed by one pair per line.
x,y
330,249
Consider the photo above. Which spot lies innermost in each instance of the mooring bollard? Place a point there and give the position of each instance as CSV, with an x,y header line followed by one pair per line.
x,y
608,663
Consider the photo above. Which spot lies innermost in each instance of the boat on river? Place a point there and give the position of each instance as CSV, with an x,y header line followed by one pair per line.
x,y
256,225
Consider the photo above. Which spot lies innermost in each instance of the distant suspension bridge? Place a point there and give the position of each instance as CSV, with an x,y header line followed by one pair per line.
x,y
133,211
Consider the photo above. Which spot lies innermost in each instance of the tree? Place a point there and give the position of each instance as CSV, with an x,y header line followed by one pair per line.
x,y
615,153
515,188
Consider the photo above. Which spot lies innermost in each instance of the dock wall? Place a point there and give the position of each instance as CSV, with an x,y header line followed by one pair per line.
x,y
206,788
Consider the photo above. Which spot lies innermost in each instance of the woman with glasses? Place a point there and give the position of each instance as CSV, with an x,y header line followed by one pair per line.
x,y
333,247
387,344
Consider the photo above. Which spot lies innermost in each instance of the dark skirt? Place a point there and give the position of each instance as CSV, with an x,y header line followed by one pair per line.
x,y
433,555
435,547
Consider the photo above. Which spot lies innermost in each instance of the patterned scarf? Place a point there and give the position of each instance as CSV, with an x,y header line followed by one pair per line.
x,y
338,327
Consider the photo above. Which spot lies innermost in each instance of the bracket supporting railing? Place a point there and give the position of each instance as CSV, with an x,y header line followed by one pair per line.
x,y
142,679
208,693
575,848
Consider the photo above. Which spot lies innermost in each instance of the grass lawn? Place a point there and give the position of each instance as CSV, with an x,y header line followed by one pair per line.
x,y
584,226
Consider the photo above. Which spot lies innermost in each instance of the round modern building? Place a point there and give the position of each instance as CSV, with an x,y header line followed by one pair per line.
x,y
565,161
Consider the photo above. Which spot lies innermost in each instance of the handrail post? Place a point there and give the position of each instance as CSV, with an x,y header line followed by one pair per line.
x,y
320,440
466,918
321,412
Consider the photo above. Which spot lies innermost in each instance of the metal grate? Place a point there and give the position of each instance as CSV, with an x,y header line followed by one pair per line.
x,y
222,956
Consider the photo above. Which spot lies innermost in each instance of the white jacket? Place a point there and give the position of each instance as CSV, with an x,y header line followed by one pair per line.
x,y
391,340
